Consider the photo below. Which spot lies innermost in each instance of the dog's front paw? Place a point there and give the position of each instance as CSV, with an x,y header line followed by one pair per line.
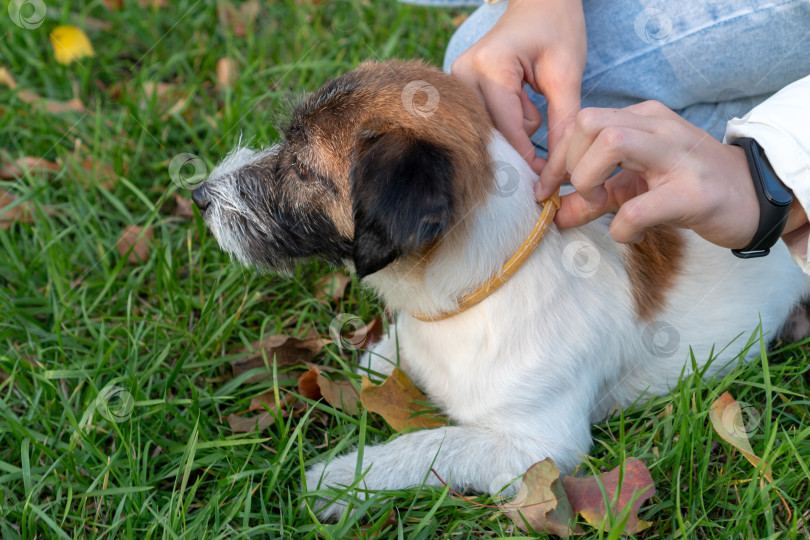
x,y
333,480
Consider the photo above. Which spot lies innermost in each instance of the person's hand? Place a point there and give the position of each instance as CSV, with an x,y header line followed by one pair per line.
x,y
672,172
543,43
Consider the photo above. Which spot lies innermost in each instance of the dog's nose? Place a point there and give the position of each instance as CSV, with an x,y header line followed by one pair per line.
x,y
201,198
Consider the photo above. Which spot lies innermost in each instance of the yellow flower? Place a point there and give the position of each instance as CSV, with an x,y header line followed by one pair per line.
x,y
69,44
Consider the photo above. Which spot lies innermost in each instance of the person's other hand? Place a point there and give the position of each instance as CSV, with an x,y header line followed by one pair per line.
x,y
543,43
672,172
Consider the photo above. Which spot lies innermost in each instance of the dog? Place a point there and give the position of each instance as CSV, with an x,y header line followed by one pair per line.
x,y
395,171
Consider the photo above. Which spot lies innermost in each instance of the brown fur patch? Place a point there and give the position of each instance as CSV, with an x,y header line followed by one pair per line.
x,y
395,95
376,96
653,266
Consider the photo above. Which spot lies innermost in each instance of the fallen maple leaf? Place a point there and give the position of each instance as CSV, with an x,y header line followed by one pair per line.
x,y
339,394
541,502
139,240
397,400
69,44
548,505
585,495
727,419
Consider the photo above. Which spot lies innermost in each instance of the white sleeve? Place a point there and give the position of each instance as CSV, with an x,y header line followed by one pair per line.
x,y
781,126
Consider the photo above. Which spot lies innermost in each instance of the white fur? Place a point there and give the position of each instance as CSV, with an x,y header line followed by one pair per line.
x,y
222,185
524,373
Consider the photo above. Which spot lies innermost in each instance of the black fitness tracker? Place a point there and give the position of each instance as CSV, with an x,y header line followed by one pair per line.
x,y
774,201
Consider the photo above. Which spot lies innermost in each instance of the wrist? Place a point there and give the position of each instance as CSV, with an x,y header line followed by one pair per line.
x,y
797,218
775,201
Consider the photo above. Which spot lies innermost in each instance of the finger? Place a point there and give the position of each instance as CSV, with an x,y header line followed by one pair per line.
x,y
532,119
592,121
554,173
628,148
563,106
621,187
505,108
656,207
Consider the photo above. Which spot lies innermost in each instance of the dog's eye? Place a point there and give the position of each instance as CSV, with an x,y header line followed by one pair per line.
x,y
301,169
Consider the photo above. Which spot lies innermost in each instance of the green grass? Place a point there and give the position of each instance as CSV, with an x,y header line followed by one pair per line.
x,y
75,319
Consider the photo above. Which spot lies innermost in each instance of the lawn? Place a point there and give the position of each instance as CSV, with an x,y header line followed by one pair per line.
x,y
116,377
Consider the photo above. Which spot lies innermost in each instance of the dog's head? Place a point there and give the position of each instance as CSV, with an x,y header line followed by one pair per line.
x,y
374,167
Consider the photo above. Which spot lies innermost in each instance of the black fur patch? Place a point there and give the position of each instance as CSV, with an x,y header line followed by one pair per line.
x,y
402,197
290,230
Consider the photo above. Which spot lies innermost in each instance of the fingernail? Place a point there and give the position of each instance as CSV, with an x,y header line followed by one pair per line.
x,y
538,190
637,238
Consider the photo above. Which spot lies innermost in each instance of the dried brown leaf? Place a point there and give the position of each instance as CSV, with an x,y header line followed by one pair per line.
x,y
227,73
332,286
10,169
97,172
139,239
374,332
585,495
50,105
246,424
168,97
21,213
284,350
6,79
261,402
727,419
397,401
182,207
240,19
339,394
542,502
308,384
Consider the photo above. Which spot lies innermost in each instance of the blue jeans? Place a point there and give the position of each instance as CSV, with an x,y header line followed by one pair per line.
x,y
708,60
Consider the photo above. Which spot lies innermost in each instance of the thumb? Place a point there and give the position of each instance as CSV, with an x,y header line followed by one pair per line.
x,y
655,207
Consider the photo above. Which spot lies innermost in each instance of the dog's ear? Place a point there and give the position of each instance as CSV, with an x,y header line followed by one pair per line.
x,y
402,196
